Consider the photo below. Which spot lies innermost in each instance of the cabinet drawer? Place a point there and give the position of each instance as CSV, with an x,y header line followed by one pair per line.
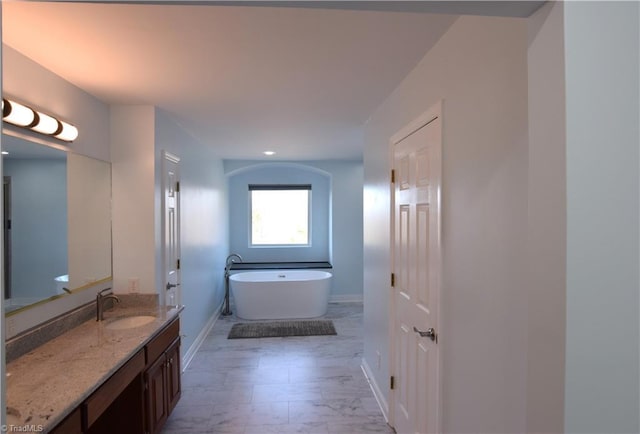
x,y
102,398
161,342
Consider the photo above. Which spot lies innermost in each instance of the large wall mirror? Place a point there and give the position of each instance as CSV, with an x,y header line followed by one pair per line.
x,y
57,223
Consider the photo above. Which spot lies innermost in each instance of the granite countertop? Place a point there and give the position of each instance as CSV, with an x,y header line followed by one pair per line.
x,y
46,384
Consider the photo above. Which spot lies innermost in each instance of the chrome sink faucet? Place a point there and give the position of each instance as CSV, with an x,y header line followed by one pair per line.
x,y
100,299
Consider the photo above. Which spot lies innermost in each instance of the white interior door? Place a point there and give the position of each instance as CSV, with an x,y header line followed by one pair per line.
x,y
171,228
416,267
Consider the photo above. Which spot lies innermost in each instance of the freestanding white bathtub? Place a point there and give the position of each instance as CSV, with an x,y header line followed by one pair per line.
x,y
281,294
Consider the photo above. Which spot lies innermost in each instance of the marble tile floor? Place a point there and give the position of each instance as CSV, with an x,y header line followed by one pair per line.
x,y
279,385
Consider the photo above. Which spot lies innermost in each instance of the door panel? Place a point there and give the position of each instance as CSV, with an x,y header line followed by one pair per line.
x,y
405,335
422,256
403,172
404,250
416,263
422,167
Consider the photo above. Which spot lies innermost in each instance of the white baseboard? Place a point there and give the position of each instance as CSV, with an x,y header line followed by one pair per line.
x,y
193,349
346,298
377,392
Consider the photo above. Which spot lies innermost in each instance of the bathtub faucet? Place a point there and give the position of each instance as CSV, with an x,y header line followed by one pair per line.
x,y
230,260
228,264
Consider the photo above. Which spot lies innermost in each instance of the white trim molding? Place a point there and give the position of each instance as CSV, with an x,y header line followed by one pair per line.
x,y
193,349
377,392
346,298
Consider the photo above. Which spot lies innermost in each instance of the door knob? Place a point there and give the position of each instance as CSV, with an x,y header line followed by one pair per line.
x,y
171,285
430,333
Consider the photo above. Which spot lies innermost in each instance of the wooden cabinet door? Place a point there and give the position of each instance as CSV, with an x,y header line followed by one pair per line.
x,y
173,374
156,403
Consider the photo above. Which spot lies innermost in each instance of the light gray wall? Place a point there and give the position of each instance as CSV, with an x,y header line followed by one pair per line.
x,y
132,205
546,221
143,132
602,381
28,82
345,226
39,203
203,224
479,69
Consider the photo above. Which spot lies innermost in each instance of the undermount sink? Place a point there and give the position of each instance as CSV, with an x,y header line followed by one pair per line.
x,y
129,322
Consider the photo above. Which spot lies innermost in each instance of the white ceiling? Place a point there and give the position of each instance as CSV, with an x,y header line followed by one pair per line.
x,y
244,79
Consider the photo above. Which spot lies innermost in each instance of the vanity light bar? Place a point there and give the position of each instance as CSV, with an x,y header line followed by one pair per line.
x,y
25,117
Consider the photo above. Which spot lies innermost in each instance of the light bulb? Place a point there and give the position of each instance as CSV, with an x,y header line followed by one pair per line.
x,y
69,133
19,114
46,124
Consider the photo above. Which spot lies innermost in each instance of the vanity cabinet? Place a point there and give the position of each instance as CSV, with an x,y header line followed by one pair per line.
x,y
162,377
103,410
162,387
138,397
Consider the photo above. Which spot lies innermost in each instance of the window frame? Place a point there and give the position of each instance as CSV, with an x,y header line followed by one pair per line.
x,y
280,187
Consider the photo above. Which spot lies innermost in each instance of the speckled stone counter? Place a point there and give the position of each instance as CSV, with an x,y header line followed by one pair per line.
x,y
46,384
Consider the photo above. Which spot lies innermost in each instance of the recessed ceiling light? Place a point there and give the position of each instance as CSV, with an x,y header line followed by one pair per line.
x,y
5,153
269,153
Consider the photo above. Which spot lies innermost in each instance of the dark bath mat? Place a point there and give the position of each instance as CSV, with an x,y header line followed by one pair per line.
x,y
282,329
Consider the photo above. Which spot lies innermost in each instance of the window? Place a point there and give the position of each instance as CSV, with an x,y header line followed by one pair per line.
x,y
280,215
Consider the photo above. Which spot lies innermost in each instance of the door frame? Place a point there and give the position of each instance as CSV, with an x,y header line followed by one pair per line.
x,y
167,156
6,214
434,112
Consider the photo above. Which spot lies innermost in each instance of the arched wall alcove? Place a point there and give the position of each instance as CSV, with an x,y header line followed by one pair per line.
x,y
337,197
283,174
